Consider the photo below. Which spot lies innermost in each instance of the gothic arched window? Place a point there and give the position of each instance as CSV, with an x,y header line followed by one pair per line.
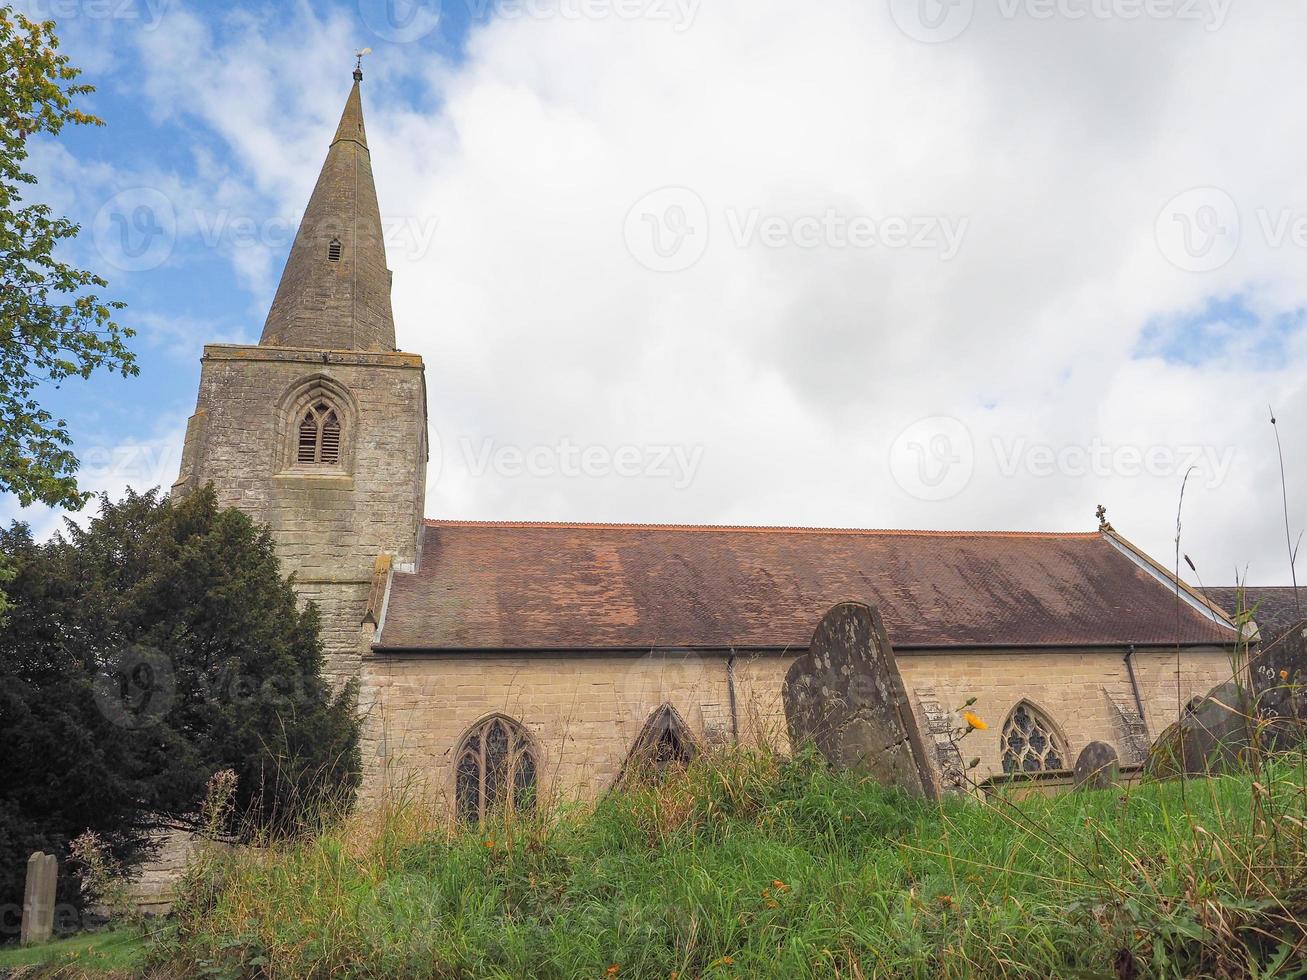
x,y
318,442
1031,742
496,769
664,742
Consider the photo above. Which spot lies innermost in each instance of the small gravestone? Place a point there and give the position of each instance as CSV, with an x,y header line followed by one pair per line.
x,y
38,899
1097,767
846,696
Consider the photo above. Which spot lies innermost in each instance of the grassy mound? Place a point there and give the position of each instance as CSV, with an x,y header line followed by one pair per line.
x,y
753,865
115,952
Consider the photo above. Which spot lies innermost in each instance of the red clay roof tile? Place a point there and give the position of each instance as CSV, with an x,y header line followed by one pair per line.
x,y
523,586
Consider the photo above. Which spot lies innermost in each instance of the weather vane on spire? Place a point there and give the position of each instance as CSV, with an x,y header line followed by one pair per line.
x,y
358,63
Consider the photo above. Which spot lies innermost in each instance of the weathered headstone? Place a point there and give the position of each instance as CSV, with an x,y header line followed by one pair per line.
x,y
1212,736
1279,675
847,697
1097,767
38,899
1217,733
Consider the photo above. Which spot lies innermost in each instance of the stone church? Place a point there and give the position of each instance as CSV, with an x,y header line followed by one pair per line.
x,y
495,658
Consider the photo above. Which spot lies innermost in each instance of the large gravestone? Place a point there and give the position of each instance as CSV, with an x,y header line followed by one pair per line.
x,y
1279,674
1097,767
847,697
1213,735
1216,734
38,899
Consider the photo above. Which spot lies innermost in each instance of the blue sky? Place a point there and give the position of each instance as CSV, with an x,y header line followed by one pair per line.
x,y
823,265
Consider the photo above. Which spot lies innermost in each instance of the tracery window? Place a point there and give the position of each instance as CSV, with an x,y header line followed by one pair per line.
x,y
496,770
318,442
663,743
1030,742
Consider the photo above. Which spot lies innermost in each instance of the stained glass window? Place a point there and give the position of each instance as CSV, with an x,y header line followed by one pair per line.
x,y
1030,742
496,770
664,743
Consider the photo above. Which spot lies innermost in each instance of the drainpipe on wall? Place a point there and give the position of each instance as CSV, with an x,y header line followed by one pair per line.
x,y
1134,685
730,689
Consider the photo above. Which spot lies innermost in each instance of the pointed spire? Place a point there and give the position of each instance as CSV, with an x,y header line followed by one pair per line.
x,y
335,290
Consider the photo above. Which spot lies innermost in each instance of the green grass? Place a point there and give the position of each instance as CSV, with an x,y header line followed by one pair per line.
x,y
754,866
110,951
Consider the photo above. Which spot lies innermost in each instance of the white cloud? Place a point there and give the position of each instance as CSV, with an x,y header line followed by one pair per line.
x,y
109,467
1059,141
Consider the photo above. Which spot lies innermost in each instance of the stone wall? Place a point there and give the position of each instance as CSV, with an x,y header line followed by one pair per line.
x,y
585,710
329,523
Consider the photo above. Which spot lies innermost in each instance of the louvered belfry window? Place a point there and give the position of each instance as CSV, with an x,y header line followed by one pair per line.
x,y
319,436
333,250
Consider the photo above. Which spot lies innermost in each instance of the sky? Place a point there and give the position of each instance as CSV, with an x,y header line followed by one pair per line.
x,y
933,264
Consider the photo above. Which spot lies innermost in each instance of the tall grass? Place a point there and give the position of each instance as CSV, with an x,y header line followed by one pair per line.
x,y
752,864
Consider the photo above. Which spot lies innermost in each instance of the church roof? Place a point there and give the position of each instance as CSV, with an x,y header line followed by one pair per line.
x,y
335,289
516,586
1276,608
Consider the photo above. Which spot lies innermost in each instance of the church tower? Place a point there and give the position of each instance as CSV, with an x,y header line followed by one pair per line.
x,y
320,429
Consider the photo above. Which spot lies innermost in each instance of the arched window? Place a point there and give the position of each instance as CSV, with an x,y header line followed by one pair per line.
x,y
333,250
496,770
663,743
319,435
1030,741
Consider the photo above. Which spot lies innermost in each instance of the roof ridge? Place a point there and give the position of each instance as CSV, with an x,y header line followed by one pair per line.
x,y
759,528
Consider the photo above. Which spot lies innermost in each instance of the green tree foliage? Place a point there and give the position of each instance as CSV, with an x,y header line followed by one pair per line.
x,y
145,653
52,324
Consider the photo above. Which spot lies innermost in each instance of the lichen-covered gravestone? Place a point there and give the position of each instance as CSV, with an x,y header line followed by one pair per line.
x,y
1279,674
1212,736
846,696
1216,734
38,899
1097,767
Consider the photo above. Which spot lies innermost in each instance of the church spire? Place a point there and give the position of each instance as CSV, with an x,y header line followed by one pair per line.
x,y
335,290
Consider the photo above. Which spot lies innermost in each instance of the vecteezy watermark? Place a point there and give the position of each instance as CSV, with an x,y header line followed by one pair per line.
x,y
137,688
679,14
67,920
1202,229
147,13
936,21
677,464
1099,458
662,676
833,230
139,465
935,459
138,229
1199,230
404,21
667,230
408,236
400,21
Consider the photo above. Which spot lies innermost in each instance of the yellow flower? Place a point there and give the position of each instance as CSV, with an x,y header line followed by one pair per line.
x,y
973,721
490,844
